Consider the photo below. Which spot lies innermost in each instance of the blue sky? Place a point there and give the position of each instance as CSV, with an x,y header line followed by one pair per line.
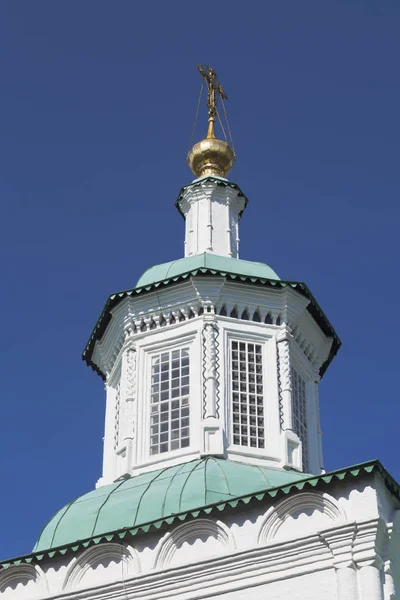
x,y
97,106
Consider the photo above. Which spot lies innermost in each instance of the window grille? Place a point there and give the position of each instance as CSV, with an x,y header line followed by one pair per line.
x,y
169,420
247,394
299,413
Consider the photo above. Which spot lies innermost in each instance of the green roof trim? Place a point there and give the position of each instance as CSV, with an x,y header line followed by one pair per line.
x,y
294,482
221,181
205,265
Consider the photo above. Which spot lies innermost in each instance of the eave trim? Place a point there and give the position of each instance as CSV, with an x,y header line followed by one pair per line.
x,y
314,481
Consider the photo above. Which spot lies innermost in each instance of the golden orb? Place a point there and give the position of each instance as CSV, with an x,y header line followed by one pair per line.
x,y
211,157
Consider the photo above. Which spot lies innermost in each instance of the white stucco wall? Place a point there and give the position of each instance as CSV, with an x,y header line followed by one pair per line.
x,y
311,544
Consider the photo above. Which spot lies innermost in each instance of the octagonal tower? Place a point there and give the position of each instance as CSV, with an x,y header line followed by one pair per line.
x,y
211,355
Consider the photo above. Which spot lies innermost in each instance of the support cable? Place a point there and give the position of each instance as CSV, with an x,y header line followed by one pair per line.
x,y
195,118
227,124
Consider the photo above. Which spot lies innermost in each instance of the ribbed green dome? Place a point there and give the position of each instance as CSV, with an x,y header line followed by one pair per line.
x,y
222,264
149,497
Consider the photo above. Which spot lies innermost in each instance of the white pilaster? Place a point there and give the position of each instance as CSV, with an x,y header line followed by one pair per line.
x,y
212,442
292,445
340,543
368,548
130,399
371,581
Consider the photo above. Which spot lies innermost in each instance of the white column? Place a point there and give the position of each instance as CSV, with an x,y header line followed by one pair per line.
x,y
318,416
130,399
211,423
368,548
370,577
291,443
340,543
346,577
210,372
285,380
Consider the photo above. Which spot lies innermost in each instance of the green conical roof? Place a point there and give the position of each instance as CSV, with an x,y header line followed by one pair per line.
x,y
150,497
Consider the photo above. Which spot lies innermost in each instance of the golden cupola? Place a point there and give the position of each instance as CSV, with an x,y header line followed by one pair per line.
x,y
211,156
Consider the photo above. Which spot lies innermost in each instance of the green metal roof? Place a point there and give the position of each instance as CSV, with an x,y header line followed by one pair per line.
x,y
225,264
241,270
156,495
301,482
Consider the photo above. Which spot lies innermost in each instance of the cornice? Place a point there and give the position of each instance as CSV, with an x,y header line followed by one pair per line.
x,y
191,296
205,181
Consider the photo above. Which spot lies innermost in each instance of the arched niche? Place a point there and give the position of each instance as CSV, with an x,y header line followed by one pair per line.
x,y
194,541
22,581
101,564
300,515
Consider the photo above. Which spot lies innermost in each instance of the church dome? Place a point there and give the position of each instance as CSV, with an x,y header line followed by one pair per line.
x,y
151,497
208,261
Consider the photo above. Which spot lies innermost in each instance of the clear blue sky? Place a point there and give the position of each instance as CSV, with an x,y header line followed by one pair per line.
x,y
97,105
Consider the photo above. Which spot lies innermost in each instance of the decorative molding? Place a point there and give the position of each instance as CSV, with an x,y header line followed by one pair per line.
x,y
293,507
117,414
190,532
93,557
284,377
228,573
369,543
210,370
138,316
340,542
130,374
24,574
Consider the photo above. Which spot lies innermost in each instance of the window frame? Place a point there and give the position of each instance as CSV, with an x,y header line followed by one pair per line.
x,y
232,380
165,406
305,444
147,349
254,333
302,366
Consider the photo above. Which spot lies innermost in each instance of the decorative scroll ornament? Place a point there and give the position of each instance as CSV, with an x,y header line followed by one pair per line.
x,y
130,396
130,374
117,414
210,370
284,378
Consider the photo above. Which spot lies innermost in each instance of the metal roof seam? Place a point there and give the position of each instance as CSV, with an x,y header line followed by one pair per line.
x,y
313,481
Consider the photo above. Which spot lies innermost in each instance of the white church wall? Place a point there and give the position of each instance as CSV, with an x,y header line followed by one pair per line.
x,y
311,586
303,545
